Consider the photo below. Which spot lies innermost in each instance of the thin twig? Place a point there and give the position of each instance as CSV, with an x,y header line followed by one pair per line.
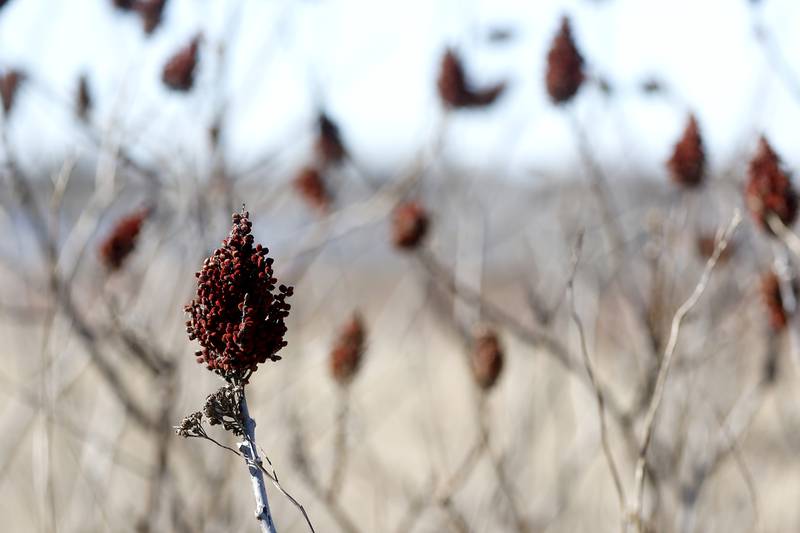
x,y
666,362
599,185
732,428
340,445
272,474
744,469
598,391
786,286
784,233
531,335
344,522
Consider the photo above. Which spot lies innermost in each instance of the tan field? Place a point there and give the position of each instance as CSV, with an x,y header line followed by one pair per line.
x,y
412,457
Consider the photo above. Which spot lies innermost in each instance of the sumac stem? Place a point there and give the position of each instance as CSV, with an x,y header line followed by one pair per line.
x,y
250,452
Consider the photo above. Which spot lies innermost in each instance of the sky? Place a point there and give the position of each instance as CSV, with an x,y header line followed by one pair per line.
x,y
373,64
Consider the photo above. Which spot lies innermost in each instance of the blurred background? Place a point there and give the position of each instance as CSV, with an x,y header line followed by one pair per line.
x,y
491,213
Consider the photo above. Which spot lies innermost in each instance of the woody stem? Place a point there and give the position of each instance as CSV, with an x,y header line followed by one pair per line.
x,y
250,452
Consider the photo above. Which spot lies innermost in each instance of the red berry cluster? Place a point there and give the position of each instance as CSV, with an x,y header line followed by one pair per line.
x,y
487,359
769,191
238,315
348,351
454,89
564,66
409,225
178,73
119,244
688,162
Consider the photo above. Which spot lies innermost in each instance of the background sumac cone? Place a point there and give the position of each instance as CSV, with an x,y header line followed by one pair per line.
x,y
151,12
564,66
769,191
124,5
329,144
487,359
707,244
83,99
409,225
688,162
9,85
454,89
119,244
773,300
348,351
178,73
310,184
238,316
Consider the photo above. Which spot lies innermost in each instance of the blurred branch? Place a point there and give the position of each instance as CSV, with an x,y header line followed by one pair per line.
x,y
601,410
340,454
61,292
301,461
785,234
731,431
599,185
775,58
530,335
666,362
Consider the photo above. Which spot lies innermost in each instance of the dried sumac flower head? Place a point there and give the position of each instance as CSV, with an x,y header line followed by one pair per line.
x,y
773,300
769,191
329,144
688,162
238,315
223,408
310,184
121,241
564,66
348,351
455,90
9,85
151,12
191,426
409,225
83,99
178,73
487,359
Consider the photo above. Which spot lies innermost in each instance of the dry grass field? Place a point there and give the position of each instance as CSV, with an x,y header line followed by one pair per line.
x,y
722,454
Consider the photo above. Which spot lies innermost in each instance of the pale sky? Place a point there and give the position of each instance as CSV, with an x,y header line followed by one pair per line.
x,y
374,64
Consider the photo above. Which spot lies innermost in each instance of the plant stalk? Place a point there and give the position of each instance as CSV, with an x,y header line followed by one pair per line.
x,y
250,452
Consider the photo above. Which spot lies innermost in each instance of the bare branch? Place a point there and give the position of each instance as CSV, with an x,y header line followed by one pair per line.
x,y
666,362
